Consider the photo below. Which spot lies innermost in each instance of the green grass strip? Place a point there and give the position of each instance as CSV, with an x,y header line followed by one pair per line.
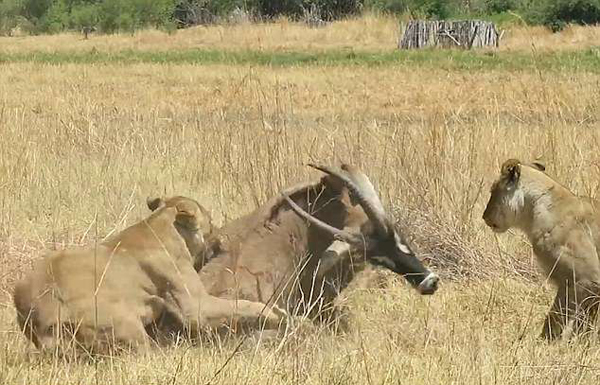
x,y
576,60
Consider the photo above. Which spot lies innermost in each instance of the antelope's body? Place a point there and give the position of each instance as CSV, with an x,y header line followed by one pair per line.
x,y
301,249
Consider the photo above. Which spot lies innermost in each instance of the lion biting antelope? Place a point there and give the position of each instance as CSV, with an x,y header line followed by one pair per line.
x,y
115,293
564,231
160,277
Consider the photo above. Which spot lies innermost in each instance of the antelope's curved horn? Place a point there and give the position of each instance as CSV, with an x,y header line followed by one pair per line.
x,y
337,233
366,187
371,208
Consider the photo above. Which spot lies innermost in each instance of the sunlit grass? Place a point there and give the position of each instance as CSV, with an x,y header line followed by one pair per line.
x,y
587,60
371,33
83,144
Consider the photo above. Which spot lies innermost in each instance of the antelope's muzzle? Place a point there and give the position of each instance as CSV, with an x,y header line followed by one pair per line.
x,y
429,285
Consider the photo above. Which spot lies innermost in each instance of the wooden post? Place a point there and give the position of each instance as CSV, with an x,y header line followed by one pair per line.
x,y
465,34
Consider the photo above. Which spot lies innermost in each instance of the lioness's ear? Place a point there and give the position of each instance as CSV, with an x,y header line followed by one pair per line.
x,y
539,165
511,170
154,203
186,215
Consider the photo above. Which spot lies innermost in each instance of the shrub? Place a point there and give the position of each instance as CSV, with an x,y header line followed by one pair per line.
x,y
34,10
109,14
9,10
336,9
84,15
557,13
151,12
125,22
497,6
434,9
56,18
391,6
437,9
128,15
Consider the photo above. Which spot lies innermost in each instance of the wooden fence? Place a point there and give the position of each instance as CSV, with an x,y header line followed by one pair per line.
x,y
447,34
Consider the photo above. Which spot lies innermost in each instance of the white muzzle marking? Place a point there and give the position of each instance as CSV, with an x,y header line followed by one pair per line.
x,y
429,284
403,248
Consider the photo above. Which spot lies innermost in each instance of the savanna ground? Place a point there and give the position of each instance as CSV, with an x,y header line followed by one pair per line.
x,y
90,128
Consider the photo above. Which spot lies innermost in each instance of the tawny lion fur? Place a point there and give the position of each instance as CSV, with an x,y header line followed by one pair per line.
x,y
112,294
564,231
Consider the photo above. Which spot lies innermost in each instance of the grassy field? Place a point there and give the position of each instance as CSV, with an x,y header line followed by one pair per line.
x,y
85,141
369,33
367,41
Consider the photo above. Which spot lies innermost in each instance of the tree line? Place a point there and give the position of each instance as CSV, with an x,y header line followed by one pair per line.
x,y
109,16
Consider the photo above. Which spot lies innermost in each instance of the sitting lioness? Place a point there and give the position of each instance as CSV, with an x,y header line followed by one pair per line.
x,y
114,293
564,231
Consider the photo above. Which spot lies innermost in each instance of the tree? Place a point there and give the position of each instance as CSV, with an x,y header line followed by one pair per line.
x,y
84,16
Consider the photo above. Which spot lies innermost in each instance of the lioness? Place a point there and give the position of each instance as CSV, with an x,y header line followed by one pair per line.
x,y
114,293
564,231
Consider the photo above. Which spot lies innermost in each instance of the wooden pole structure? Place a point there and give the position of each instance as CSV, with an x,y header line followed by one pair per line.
x,y
464,34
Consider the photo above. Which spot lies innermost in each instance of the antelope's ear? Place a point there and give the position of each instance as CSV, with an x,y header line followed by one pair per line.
x,y
337,252
154,203
539,165
345,198
511,170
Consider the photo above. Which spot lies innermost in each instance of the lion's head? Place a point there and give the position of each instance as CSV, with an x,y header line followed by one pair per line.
x,y
507,196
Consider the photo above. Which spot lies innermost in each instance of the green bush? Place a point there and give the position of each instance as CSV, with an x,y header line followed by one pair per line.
x,y
9,11
84,15
436,9
125,22
56,18
269,8
327,9
391,6
34,10
491,7
151,12
336,9
556,14
431,9
218,7
109,14
129,15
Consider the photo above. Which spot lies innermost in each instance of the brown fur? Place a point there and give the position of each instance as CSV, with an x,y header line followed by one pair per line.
x,y
564,231
113,293
274,256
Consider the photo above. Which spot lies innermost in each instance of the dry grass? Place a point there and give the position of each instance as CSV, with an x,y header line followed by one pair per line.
x,y
366,33
540,38
398,337
82,146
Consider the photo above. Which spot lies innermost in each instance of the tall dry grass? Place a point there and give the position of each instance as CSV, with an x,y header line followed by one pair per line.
x,y
369,32
469,335
82,146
